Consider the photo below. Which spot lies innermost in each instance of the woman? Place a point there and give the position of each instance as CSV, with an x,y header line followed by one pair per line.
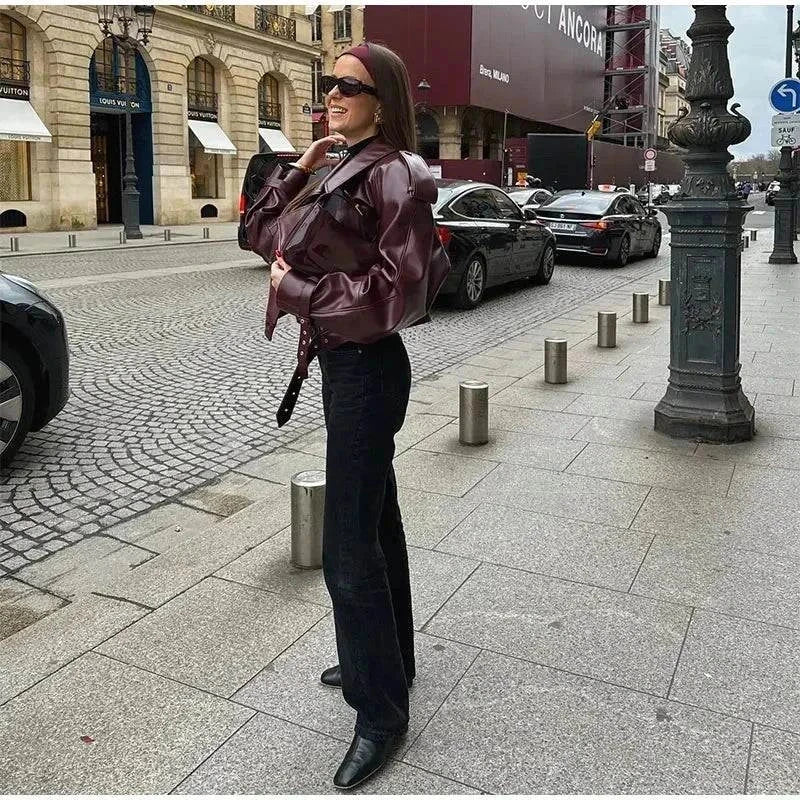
x,y
383,275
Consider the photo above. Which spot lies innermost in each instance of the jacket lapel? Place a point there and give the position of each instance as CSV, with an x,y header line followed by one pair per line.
x,y
373,152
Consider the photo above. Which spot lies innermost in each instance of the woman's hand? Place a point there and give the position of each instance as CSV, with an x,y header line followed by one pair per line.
x,y
278,269
315,155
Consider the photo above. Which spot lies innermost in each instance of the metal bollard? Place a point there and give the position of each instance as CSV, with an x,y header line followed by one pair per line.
x,y
15,244
72,240
167,235
754,234
308,509
606,328
123,237
664,292
473,412
206,233
555,360
641,307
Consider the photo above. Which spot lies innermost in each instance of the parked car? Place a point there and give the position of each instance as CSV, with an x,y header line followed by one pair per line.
x,y
489,241
34,362
772,190
612,226
529,199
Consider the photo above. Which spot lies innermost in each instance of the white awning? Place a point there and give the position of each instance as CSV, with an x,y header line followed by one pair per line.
x,y
19,121
212,137
276,141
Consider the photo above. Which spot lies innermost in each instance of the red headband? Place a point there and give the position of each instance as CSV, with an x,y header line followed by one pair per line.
x,y
361,52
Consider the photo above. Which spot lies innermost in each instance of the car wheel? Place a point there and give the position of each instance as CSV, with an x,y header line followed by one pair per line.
x,y
623,252
653,252
17,400
473,284
547,266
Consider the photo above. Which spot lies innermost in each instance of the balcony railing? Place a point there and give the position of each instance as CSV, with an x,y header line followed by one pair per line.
x,y
15,71
226,13
275,25
269,111
201,101
116,84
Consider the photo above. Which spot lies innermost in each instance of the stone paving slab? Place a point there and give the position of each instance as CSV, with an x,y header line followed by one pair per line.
x,y
281,465
611,636
774,762
227,495
670,470
764,451
442,473
507,446
727,579
539,423
640,436
263,758
562,495
37,651
743,668
215,636
526,396
101,727
289,687
579,551
613,407
22,605
511,727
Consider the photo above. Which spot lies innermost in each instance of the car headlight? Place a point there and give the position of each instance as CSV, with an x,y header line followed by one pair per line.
x,y
31,287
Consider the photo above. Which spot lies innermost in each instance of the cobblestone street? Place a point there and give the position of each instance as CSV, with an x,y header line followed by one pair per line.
x,y
173,383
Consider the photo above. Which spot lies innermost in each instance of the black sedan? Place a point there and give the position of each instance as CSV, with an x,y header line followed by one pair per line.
x,y
34,362
529,199
489,241
612,226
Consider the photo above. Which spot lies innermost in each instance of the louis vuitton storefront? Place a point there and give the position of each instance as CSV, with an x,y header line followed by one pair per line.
x,y
207,92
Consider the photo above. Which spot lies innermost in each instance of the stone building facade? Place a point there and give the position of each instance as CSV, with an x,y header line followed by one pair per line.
x,y
214,85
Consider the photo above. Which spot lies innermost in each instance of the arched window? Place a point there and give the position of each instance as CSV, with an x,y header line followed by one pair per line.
x,y
269,105
115,68
13,51
200,83
427,136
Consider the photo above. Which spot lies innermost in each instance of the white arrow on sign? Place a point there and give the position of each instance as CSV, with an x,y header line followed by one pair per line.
x,y
785,91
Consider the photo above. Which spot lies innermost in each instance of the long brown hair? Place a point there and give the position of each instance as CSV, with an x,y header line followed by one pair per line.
x,y
398,122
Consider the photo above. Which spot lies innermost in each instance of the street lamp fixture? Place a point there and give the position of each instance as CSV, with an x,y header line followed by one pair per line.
x,y
124,16
424,85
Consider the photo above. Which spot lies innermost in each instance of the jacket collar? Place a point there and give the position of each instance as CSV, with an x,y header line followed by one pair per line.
x,y
373,152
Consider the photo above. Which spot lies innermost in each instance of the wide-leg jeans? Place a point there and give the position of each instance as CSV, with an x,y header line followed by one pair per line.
x,y
364,557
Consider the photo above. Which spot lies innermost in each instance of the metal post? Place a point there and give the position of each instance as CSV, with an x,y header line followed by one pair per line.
x,y
754,234
503,150
473,412
72,240
308,509
130,194
555,360
606,328
664,292
641,307
122,237
15,244
746,241
206,233
167,235
704,398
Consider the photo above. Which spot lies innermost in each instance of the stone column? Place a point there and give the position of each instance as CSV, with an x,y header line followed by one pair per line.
x,y
704,399
450,134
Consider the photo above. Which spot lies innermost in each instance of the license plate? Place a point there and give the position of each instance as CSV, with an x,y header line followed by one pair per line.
x,y
562,226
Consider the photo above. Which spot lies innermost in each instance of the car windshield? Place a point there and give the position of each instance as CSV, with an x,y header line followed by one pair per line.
x,y
520,195
589,203
444,194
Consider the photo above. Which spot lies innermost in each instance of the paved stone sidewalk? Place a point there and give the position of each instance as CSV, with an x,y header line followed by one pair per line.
x,y
106,237
599,609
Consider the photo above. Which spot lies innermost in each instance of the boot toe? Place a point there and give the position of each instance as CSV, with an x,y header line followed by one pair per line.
x,y
364,758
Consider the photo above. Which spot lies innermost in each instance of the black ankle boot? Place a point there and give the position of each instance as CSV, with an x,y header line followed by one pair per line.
x,y
333,677
363,759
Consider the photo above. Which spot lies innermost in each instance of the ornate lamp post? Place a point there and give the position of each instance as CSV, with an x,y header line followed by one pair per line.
x,y
704,399
125,16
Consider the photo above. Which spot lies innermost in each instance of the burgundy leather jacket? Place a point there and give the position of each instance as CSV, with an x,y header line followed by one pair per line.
x,y
382,283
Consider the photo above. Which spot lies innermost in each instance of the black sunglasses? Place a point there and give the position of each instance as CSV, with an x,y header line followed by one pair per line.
x,y
348,87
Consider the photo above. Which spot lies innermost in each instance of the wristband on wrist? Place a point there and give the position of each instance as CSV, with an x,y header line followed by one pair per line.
x,y
298,165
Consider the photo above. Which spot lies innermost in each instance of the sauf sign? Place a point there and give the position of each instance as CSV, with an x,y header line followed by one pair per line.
x,y
572,24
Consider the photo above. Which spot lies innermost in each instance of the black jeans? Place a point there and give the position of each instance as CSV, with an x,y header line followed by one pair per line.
x,y
365,392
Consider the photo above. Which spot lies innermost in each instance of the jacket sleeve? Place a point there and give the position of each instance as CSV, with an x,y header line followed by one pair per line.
x,y
282,186
393,293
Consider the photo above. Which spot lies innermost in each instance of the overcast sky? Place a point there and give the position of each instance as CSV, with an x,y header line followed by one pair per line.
x,y
756,51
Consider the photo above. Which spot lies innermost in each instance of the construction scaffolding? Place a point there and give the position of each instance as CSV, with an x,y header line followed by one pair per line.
x,y
630,93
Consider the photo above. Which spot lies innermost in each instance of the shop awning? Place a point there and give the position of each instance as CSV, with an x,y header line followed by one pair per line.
x,y
212,137
19,121
276,141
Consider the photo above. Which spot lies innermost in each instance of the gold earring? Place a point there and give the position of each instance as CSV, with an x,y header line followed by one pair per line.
x,y
378,118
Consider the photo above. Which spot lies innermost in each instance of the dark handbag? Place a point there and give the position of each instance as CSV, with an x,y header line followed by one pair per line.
x,y
334,232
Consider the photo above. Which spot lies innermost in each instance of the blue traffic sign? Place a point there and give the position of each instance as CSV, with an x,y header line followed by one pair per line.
x,y
785,95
